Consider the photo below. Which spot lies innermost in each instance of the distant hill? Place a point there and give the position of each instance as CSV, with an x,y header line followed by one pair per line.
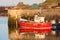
x,y
50,3
22,5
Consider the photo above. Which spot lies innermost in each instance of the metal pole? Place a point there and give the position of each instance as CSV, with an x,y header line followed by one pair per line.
x,y
16,24
16,21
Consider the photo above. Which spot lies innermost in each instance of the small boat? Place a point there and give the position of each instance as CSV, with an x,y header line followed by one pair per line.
x,y
35,27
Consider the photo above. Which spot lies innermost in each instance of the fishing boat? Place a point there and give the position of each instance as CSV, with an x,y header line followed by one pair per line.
x,y
34,27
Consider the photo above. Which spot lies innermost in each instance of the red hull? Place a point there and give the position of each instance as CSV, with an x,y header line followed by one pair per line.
x,y
35,28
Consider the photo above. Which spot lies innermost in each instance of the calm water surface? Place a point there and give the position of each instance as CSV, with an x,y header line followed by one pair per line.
x,y
3,28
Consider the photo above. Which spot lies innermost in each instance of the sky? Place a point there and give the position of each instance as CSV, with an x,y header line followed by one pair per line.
x,y
14,2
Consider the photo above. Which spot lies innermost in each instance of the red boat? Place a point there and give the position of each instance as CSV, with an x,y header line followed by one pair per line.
x,y
35,27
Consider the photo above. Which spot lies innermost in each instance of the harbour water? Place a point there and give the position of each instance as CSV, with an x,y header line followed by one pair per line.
x,y
3,28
